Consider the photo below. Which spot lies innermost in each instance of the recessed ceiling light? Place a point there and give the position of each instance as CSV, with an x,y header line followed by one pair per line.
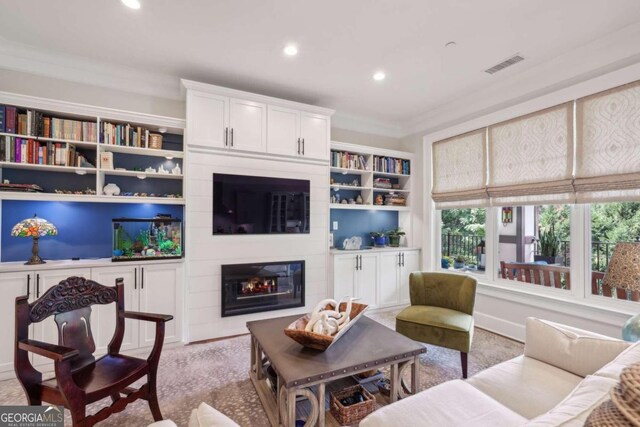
x,y
291,50
451,44
133,4
379,76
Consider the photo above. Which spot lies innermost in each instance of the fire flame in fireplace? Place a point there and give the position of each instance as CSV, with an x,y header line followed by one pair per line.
x,y
259,285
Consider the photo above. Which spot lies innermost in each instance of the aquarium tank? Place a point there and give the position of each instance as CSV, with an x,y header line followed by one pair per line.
x,y
136,239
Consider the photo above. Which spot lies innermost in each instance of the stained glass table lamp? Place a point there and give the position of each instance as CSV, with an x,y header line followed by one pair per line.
x,y
35,228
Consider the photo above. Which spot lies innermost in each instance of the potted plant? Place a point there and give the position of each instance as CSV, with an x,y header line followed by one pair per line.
x,y
458,262
548,246
379,238
446,262
394,237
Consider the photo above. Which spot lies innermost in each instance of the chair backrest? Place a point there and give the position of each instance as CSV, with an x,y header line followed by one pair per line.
x,y
453,291
70,303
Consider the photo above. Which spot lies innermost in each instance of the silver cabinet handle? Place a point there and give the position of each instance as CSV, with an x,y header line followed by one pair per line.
x,y
403,259
232,137
299,149
303,146
28,285
226,136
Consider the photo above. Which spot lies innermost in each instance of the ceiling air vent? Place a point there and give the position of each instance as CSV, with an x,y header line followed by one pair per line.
x,y
504,64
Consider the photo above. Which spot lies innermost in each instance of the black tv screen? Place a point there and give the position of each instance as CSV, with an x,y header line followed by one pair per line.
x,y
259,205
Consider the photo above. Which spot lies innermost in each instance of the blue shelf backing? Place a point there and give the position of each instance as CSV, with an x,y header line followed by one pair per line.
x,y
84,229
361,223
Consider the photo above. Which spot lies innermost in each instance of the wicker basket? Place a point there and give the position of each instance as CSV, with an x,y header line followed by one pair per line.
x,y
155,141
296,330
352,414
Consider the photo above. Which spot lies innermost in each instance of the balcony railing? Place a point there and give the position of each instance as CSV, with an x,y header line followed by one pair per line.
x,y
455,245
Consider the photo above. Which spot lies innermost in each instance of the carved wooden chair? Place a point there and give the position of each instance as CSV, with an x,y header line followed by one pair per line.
x,y
80,378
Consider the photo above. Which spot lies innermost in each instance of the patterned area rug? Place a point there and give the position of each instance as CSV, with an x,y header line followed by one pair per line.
x,y
217,373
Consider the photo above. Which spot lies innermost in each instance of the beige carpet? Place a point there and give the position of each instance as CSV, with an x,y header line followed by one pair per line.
x,y
217,373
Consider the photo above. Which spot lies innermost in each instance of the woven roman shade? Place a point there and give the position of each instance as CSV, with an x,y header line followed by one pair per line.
x,y
531,158
460,171
608,145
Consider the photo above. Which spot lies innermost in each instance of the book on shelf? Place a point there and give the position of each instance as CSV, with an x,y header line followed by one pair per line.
x,y
31,151
391,165
346,160
34,123
124,134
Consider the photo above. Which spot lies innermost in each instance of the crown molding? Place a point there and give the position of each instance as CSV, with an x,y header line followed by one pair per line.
x,y
63,66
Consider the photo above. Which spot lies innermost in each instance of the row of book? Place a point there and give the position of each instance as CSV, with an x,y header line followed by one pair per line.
x,y
391,165
343,159
124,134
31,151
35,123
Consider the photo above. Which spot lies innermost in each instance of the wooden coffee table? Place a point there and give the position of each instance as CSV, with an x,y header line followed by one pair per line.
x,y
367,345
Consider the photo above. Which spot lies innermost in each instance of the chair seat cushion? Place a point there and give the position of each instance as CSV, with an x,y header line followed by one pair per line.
x,y
97,379
526,385
454,403
436,325
436,316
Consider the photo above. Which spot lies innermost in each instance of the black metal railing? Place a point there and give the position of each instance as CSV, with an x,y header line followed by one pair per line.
x,y
454,245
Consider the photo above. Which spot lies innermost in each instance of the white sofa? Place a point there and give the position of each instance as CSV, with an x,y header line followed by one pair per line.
x,y
563,375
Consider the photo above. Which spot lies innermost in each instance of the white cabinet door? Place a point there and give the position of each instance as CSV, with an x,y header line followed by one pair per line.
x,y
161,293
283,131
367,282
248,125
47,330
13,285
314,131
207,119
411,263
388,279
344,276
103,317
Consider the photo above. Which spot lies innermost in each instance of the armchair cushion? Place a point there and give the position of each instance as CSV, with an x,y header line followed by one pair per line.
x,y
436,325
525,385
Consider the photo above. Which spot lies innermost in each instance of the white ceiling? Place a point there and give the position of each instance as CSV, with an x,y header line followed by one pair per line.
x,y
238,43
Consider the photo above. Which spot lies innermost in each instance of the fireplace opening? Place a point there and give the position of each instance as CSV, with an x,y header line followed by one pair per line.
x,y
264,286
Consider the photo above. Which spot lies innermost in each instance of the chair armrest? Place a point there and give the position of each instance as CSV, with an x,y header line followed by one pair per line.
x,y
147,317
51,351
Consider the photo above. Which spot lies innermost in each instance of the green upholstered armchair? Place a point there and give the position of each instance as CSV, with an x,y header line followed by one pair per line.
x,y
441,311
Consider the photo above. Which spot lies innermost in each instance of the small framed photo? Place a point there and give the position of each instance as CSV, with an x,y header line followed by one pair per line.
x,y
106,160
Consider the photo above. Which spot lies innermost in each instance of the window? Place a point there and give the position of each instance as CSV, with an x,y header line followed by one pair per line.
x,y
611,223
463,239
534,245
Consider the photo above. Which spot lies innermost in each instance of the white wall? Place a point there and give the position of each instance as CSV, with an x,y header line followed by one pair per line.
x,y
360,138
64,90
206,252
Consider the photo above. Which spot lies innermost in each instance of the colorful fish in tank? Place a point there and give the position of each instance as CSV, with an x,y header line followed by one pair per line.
x,y
136,239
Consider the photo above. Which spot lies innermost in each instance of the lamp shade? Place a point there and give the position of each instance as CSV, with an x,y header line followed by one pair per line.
x,y
34,227
623,271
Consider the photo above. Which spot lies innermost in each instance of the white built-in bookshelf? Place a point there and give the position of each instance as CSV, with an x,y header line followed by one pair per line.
x,y
372,173
73,167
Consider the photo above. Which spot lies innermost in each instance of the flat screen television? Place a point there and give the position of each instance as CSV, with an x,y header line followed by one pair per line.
x,y
259,205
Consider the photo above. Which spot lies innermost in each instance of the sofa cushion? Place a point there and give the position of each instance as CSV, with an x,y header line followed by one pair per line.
x,y
437,326
575,408
574,350
614,368
454,403
525,385
206,416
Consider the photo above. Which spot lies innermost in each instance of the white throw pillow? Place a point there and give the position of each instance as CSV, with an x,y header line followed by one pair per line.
x,y
575,408
206,416
580,352
614,368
